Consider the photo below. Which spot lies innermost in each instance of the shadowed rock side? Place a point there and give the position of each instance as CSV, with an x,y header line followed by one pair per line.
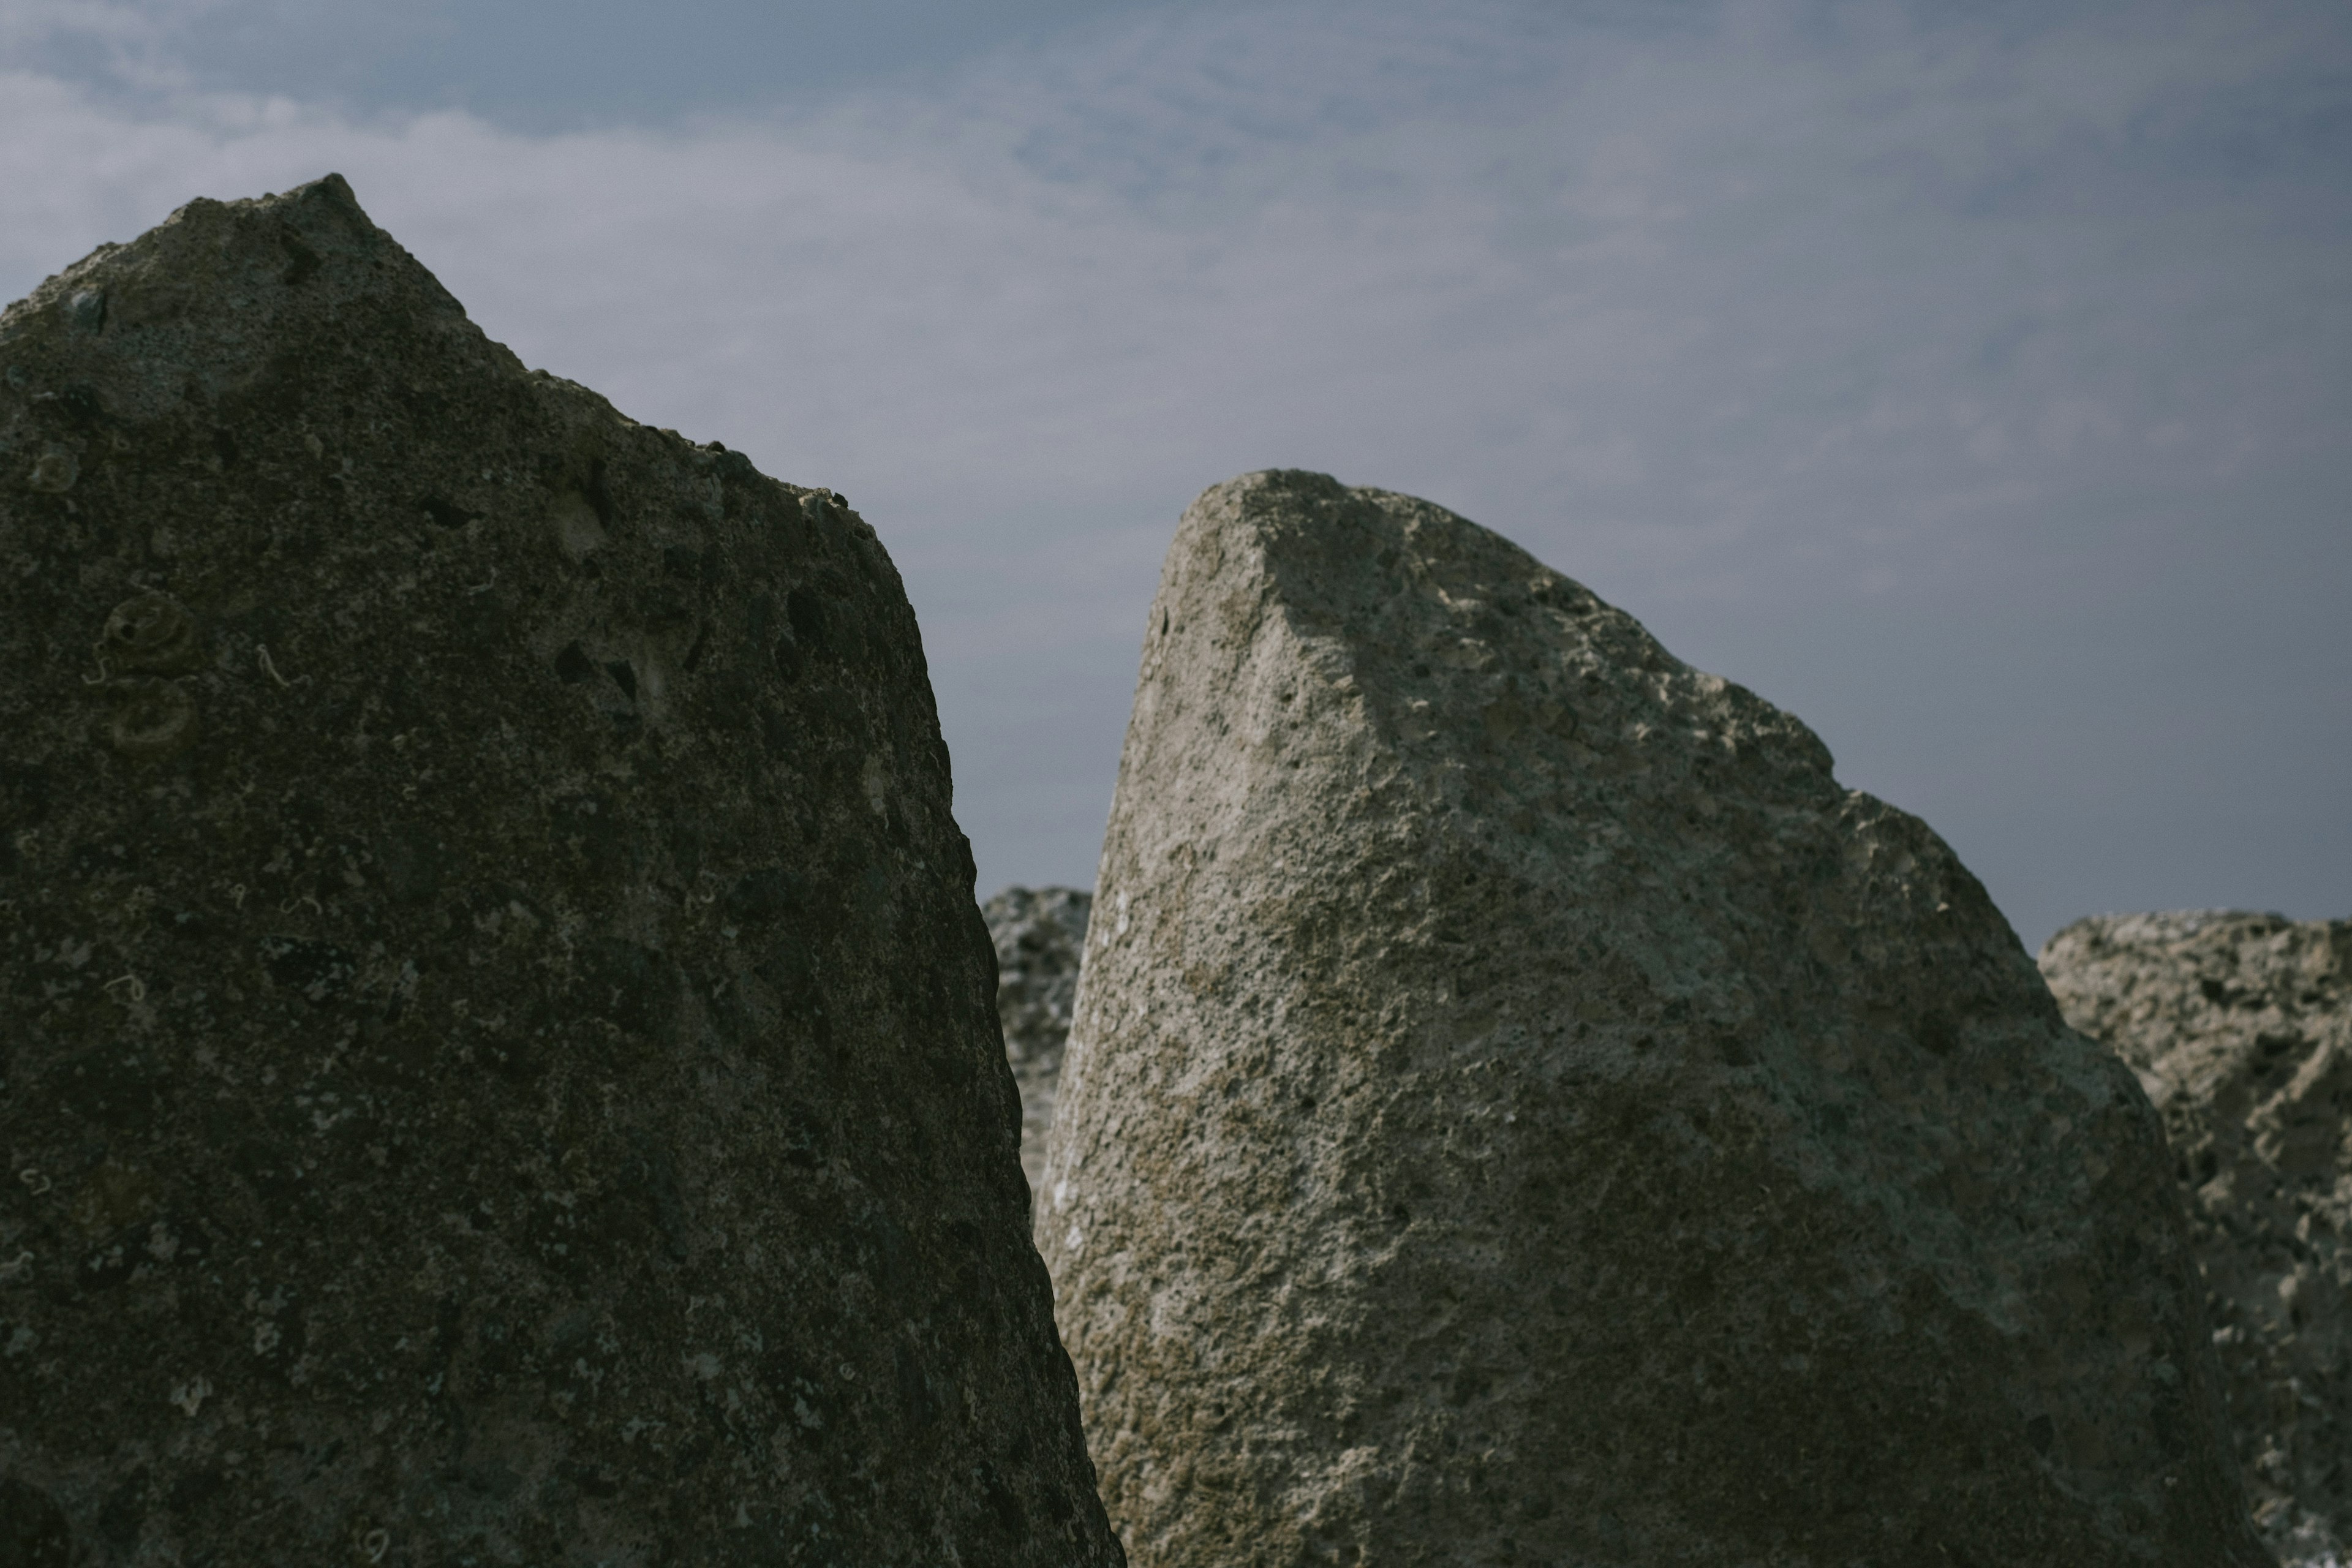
x,y
1522,1110
1040,936
2241,1028
498,1058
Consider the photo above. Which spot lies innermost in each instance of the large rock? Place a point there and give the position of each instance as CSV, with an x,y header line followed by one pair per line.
x,y
2241,1028
499,1060
1040,934
1521,1108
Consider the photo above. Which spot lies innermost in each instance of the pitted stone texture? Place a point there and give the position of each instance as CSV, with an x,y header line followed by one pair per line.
x,y
2241,1028
1040,936
1522,1110
498,1063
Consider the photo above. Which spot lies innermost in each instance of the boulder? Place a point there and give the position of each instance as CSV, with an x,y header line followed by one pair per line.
x,y
2241,1028
1521,1108
1040,934
498,1061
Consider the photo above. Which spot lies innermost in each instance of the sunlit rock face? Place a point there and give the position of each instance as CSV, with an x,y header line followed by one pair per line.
x,y
2241,1028
498,1062
1040,936
1520,1108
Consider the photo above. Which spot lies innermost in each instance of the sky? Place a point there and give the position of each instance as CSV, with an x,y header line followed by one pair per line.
x,y
1972,380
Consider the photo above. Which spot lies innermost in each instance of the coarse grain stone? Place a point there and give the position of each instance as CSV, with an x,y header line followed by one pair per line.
x,y
497,1061
1040,936
2240,1026
1522,1110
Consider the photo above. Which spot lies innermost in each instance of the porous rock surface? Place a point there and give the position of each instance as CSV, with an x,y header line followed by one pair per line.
x,y
2241,1028
1522,1110
498,1064
1040,936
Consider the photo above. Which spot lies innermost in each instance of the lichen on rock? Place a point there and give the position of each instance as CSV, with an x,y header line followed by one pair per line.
x,y
1521,1108
498,1061
2239,1026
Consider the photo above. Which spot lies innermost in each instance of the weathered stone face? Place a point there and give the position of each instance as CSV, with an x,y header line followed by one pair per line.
x,y
498,1061
1521,1108
2240,1027
1040,936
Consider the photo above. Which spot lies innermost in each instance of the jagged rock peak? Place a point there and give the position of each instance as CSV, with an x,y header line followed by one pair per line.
x,y
1521,1108
498,1062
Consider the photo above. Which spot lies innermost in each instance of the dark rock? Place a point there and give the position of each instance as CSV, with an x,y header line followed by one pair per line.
x,y
1040,936
1522,1109
468,1097
2240,1026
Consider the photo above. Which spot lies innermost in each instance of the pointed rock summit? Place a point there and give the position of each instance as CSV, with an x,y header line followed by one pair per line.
x,y
499,1060
2240,1027
1521,1108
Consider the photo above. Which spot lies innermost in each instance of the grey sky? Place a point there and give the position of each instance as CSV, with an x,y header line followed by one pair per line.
x,y
1974,381
532,65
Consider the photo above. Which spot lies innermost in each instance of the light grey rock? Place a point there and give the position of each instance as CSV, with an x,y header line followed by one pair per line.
x,y
1522,1110
1040,936
2241,1028
496,1060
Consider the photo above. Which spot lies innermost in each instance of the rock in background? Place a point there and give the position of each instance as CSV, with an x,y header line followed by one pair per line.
x,y
1040,936
498,1063
2241,1028
1522,1110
